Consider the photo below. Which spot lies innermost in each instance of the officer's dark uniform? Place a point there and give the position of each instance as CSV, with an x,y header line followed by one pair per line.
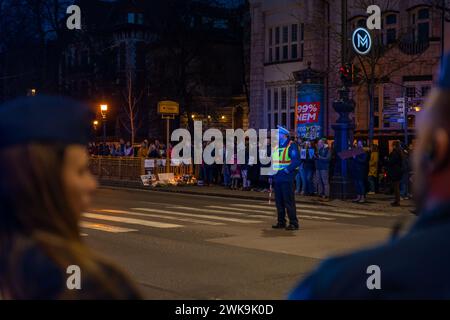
x,y
284,187
416,266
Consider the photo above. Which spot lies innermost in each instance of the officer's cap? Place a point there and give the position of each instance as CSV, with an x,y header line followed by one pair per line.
x,y
444,73
283,130
44,119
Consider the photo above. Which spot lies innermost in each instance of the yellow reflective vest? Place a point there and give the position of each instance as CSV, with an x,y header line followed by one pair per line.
x,y
280,158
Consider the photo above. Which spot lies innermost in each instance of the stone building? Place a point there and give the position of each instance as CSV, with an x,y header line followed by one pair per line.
x,y
287,36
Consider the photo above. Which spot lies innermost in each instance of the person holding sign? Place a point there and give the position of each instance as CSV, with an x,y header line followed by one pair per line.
x,y
285,161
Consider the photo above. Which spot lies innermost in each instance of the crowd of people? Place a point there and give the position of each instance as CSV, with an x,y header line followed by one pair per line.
x,y
153,150
371,174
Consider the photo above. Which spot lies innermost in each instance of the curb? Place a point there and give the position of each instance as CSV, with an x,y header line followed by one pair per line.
x,y
138,186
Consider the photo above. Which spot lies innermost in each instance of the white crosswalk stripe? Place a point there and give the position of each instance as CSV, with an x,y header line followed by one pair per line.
x,y
210,223
245,221
331,209
212,215
140,222
270,211
104,227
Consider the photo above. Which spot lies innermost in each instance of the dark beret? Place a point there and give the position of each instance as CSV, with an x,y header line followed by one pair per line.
x,y
444,73
44,119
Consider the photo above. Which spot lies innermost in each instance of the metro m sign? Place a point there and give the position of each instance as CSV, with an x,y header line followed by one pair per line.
x,y
308,112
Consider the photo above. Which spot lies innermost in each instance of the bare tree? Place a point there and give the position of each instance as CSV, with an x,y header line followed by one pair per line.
x,y
132,98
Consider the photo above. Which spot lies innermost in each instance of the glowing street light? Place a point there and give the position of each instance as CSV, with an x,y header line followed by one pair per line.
x,y
103,111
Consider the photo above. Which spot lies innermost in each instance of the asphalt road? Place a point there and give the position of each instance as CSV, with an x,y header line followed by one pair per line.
x,y
177,246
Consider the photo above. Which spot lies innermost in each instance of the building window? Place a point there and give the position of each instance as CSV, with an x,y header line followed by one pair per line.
x,y
283,98
411,92
294,32
423,14
269,121
391,29
285,52
294,51
292,98
275,99
391,19
421,25
285,34
135,18
284,45
269,99
284,119
277,35
275,120
376,121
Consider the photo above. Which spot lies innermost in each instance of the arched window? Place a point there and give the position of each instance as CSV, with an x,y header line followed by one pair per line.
x,y
420,23
391,27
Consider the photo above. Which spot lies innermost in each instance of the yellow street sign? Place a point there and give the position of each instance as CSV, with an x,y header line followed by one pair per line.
x,y
168,107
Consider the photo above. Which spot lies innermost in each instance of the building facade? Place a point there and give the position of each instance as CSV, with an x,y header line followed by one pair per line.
x,y
287,36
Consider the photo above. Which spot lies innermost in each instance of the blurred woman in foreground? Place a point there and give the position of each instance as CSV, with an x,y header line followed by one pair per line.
x,y
45,185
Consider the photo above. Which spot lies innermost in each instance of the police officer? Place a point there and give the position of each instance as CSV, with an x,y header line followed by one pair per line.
x,y
415,265
285,161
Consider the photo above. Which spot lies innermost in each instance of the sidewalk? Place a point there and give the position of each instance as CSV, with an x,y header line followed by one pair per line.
x,y
379,202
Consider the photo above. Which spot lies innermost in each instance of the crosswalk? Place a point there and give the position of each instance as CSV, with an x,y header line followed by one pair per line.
x,y
172,216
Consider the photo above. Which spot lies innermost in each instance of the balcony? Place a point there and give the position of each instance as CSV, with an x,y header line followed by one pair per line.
x,y
413,47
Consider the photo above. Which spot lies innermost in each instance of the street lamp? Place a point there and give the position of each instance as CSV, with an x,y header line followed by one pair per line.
x,y
103,111
95,123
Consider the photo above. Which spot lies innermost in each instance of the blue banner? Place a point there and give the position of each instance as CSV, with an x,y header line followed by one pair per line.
x,y
310,111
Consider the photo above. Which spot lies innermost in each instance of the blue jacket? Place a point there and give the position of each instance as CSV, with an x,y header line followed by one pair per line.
x,y
294,154
415,266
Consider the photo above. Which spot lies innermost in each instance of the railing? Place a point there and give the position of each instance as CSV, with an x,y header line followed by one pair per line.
x,y
132,168
413,48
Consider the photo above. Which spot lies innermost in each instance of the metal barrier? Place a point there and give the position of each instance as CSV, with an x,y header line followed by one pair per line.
x,y
132,168
117,168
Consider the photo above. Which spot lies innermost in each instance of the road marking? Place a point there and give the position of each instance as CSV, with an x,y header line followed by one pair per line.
x,y
242,209
203,216
331,214
228,212
270,216
140,222
104,227
211,223
316,218
333,209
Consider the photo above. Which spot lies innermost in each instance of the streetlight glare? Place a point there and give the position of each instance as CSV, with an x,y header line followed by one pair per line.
x,y
104,107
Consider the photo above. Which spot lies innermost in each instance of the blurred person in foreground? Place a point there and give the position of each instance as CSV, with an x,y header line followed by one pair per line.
x,y
415,265
45,186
